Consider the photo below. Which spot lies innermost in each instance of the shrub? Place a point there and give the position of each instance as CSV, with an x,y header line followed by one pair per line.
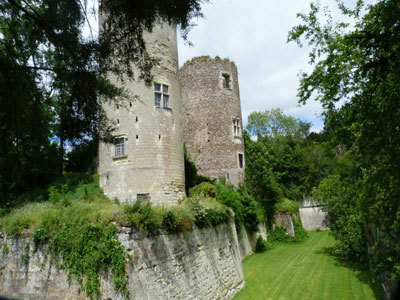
x,y
60,195
208,213
287,206
204,189
229,197
278,235
170,221
247,210
253,214
40,235
261,245
191,177
143,217
300,234
345,218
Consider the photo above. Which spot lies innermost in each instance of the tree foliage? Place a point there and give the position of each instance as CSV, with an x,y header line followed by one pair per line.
x,y
340,201
53,77
275,159
358,65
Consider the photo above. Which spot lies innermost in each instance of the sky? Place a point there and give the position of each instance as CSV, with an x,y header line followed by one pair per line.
x,y
253,34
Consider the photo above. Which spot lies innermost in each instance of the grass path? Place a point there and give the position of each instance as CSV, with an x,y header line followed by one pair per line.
x,y
303,271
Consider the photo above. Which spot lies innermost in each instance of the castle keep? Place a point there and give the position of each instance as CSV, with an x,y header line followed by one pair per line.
x,y
147,159
212,117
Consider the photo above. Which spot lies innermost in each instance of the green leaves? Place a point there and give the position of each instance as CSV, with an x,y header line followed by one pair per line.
x,y
360,64
54,78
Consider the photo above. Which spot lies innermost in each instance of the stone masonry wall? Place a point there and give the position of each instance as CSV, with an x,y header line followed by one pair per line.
x,y
211,111
248,239
198,264
312,216
152,166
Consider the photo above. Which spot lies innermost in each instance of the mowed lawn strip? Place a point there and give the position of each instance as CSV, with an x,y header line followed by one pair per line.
x,y
302,271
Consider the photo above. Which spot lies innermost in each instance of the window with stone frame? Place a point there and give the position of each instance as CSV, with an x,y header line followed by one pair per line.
x,y
161,95
119,147
236,128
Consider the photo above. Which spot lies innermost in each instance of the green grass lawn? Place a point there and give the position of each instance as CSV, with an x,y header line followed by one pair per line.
x,y
303,271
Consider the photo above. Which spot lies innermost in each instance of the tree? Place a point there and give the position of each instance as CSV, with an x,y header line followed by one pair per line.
x,y
274,124
280,140
360,65
53,77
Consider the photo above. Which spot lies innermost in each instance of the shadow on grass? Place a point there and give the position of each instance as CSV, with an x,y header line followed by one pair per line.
x,y
362,272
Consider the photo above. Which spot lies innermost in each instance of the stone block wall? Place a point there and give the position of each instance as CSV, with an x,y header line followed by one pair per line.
x,y
152,165
212,117
312,216
285,220
198,264
248,239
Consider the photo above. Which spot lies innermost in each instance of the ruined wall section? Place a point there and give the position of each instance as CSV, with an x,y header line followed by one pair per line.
x,y
152,165
199,264
212,117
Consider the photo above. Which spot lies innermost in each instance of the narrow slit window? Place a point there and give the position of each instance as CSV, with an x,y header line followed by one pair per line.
x,y
241,160
226,82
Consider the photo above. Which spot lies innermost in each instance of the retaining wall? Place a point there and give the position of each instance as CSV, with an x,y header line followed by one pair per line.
x,y
198,264
312,216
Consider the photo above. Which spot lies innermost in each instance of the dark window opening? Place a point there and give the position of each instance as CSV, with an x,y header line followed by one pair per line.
x,y
137,119
117,121
137,137
226,81
159,136
145,198
240,160
165,89
130,104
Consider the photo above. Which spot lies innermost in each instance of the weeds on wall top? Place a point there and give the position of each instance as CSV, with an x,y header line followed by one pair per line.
x,y
78,225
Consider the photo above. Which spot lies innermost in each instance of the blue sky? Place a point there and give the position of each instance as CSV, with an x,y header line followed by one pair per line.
x,y
253,33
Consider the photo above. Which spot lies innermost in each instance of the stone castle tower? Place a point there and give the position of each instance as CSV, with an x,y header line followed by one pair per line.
x,y
147,160
212,118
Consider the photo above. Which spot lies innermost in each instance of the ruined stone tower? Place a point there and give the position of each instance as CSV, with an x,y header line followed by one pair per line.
x,y
147,160
212,117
